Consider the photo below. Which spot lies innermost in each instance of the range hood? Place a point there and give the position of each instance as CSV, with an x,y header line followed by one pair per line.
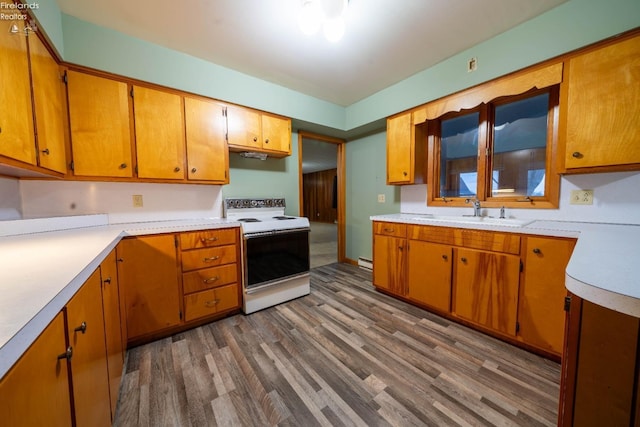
x,y
253,155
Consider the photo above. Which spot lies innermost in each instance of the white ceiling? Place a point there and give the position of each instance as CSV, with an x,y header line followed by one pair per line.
x,y
386,41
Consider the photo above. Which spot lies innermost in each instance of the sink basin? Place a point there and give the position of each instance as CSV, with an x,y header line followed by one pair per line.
x,y
486,220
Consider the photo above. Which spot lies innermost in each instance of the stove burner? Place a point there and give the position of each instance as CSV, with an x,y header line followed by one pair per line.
x,y
280,217
248,220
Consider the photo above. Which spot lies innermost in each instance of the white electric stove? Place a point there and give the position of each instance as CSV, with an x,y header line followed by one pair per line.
x,y
275,252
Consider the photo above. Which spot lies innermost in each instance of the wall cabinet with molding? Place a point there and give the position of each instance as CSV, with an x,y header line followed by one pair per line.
x,y
507,284
406,150
599,108
251,130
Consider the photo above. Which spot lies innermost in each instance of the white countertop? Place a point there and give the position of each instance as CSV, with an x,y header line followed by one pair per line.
x,y
40,271
602,268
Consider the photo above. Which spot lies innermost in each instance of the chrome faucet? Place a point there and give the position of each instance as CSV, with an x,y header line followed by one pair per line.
x,y
476,206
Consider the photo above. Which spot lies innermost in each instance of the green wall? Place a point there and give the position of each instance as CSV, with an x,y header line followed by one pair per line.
x,y
567,27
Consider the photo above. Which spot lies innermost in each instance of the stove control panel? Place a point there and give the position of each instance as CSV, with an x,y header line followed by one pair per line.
x,y
253,203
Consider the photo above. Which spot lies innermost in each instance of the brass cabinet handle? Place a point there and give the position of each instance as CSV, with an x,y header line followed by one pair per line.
x,y
123,166
67,354
255,139
401,248
266,141
45,151
444,257
176,169
82,328
194,170
537,251
213,258
211,303
463,259
211,279
107,280
577,154
208,239
404,173
389,230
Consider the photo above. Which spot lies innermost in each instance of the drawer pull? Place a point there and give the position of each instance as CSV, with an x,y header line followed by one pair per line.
x,y
82,328
389,230
213,258
211,279
537,251
208,239
577,155
67,354
211,303
463,259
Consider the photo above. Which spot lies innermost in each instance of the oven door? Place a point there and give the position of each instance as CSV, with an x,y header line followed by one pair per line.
x,y
271,257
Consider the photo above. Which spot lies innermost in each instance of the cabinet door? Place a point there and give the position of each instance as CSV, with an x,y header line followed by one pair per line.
x,y
49,105
16,119
399,150
602,106
389,263
486,288
429,274
35,392
207,152
276,133
541,314
115,340
244,128
148,274
159,124
100,127
89,372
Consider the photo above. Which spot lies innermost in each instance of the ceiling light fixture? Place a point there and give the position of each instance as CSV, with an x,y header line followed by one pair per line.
x,y
328,14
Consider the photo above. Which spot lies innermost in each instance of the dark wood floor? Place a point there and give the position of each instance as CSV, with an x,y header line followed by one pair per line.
x,y
344,355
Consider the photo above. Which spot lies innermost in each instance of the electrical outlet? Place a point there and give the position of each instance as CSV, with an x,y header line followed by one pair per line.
x,y
581,197
137,200
381,198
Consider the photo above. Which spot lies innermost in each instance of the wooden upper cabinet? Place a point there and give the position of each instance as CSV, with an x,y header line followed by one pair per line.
x,y
100,125
486,288
159,130
541,314
250,130
406,146
207,152
35,392
49,105
276,133
600,107
89,372
16,118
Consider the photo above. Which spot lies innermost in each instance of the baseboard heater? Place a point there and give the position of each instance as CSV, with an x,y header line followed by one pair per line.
x,y
365,263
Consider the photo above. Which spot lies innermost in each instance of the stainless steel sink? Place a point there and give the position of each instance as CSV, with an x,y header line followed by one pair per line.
x,y
486,220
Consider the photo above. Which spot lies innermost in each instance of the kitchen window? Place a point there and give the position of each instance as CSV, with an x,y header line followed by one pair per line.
x,y
500,153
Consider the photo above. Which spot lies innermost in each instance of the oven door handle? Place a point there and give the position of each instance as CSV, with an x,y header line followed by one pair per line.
x,y
274,232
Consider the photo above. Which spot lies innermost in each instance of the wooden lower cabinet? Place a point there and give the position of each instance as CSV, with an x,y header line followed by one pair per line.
x,y
89,371
429,274
148,273
389,259
115,340
600,367
35,392
486,288
541,314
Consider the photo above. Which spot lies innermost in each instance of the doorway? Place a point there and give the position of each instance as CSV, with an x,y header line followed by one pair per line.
x,y
322,188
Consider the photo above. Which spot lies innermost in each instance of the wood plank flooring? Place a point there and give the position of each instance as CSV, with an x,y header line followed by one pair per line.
x,y
345,355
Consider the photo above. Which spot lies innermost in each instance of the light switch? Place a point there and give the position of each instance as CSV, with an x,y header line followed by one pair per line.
x,y
137,200
381,198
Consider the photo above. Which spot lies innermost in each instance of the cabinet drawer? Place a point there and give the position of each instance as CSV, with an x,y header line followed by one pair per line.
x,y
210,302
208,257
209,278
208,238
390,229
431,234
488,240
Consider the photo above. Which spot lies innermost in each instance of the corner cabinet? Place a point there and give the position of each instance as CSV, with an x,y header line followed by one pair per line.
x,y
600,382
251,130
406,148
600,109
100,126
505,284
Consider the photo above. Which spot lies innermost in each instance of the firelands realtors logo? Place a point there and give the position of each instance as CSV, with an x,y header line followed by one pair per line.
x,y
15,12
